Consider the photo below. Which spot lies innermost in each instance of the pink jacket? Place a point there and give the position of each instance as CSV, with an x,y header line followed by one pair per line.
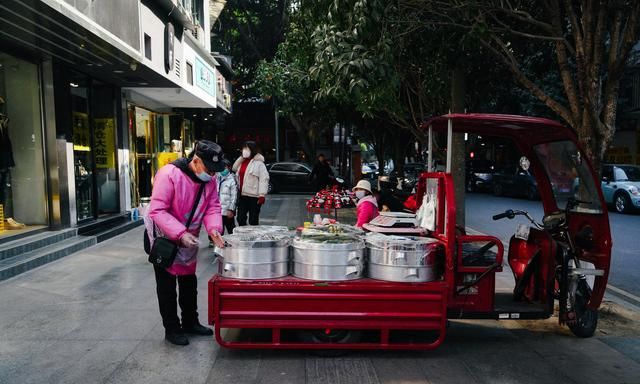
x,y
367,210
174,193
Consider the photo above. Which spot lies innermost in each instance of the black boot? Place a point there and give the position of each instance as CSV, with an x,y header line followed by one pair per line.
x,y
177,338
198,329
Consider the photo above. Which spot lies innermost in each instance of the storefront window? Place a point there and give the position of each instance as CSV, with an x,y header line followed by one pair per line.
x,y
159,138
23,198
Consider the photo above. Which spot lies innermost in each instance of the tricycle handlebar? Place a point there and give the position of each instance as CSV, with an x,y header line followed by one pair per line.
x,y
508,213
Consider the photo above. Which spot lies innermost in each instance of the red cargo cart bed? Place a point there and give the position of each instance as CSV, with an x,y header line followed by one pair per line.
x,y
289,304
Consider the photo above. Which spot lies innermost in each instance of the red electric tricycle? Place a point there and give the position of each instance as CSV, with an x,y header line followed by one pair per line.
x,y
563,258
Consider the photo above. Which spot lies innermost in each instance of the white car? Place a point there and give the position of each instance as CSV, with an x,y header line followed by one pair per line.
x,y
621,186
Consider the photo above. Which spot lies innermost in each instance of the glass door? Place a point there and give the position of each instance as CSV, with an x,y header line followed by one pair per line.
x,y
104,142
94,147
82,148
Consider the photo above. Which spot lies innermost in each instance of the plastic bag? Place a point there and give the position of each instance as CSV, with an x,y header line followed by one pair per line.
x,y
426,214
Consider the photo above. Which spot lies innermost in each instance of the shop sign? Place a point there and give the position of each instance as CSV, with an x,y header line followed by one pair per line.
x,y
169,50
81,136
205,78
104,134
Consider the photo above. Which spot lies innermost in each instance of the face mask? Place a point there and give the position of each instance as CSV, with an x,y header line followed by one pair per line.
x,y
246,153
360,194
204,176
224,173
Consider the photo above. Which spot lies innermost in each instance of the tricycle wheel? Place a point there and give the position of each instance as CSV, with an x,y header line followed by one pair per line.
x,y
586,319
329,336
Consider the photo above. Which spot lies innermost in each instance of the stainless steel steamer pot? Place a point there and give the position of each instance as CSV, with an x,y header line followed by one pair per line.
x,y
328,261
255,256
254,271
327,272
401,274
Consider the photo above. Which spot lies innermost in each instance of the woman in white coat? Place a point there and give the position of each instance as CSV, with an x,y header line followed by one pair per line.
x,y
253,182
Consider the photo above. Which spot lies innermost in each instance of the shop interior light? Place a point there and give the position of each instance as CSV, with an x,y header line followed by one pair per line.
x,y
73,85
118,71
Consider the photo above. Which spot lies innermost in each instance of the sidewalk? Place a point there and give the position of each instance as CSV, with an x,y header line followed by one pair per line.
x,y
92,317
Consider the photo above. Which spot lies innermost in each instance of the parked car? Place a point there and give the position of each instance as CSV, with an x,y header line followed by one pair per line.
x,y
621,186
293,176
289,177
479,175
512,180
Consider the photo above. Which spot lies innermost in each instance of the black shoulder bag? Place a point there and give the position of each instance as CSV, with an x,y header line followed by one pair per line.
x,y
164,251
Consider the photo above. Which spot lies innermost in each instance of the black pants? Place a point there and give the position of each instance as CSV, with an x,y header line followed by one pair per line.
x,y
229,224
188,299
248,205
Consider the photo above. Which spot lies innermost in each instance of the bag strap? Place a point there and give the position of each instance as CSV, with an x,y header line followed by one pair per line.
x,y
195,205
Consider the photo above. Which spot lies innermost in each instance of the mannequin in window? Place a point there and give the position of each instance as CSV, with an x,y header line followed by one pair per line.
x,y
6,163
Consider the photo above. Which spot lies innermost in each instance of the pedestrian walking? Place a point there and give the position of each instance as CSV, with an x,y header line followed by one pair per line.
x,y
367,206
228,192
175,193
253,181
322,174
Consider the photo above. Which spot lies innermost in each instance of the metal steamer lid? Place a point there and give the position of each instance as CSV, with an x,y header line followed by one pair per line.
x,y
319,240
405,243
258,240
248,229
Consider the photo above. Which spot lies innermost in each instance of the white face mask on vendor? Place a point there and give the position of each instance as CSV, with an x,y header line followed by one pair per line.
x,y
360,194
246,153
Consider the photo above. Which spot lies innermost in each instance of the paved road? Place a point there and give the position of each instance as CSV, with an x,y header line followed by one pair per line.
x,y
92,317
625,229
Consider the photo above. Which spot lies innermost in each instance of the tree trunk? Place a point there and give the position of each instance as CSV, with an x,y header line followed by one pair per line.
x,y
302,130
458,91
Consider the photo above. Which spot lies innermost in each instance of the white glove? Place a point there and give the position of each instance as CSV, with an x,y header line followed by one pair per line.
x,y
189,241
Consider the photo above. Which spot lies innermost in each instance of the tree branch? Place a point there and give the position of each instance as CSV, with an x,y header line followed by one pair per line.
x,y
513,66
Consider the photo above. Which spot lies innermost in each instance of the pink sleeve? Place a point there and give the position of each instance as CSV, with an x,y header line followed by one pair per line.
x,y
161,198
212,217
365,213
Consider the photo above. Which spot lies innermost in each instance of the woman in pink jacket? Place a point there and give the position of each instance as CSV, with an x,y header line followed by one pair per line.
x,y
175,189
367,207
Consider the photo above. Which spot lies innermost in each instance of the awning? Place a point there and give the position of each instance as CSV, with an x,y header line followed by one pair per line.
x,y
172,97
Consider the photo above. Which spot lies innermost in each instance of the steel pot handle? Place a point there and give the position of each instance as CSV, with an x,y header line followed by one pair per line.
x,y
353,256
400,255
228,267
412,272
352,270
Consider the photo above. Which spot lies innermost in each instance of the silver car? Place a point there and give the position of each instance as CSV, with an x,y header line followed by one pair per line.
x,y
621,186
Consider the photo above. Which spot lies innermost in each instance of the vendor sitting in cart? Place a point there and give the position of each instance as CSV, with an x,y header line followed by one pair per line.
x,y
367,204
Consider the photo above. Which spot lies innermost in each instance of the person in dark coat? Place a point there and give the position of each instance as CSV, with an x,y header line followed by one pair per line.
x,y
322,174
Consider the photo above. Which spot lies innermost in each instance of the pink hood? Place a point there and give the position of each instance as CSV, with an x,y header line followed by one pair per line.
x,y
174,193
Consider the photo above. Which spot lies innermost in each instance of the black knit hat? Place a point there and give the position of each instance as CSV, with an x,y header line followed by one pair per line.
x,y
211,155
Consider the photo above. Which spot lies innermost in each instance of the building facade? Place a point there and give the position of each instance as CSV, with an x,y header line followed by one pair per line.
x,y
95,97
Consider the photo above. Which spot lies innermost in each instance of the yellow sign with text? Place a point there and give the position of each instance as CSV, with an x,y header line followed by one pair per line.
x,y
105,143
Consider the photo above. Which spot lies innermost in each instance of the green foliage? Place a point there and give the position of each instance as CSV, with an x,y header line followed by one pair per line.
x,y
354,56
250,31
